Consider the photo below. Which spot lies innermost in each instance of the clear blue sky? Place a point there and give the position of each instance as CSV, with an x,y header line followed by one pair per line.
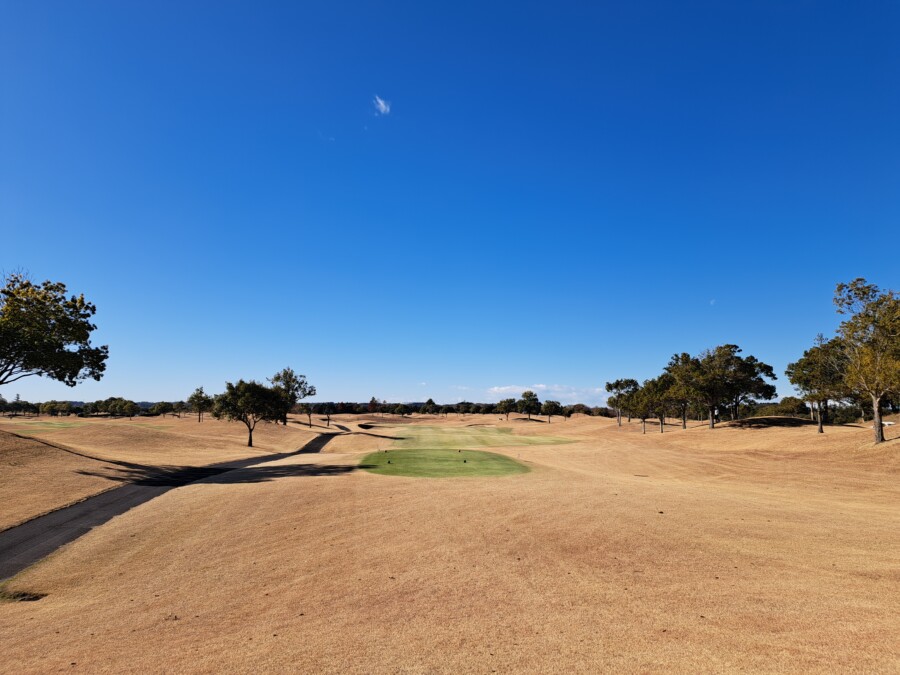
x,y
557,194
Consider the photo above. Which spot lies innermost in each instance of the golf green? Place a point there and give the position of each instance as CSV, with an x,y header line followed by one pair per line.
x,y
439,463
436,452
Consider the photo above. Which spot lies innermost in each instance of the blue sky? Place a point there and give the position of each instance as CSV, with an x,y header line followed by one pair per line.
x,y
446,200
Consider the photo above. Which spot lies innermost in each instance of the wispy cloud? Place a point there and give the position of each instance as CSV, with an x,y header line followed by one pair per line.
x,y
563,393
382,107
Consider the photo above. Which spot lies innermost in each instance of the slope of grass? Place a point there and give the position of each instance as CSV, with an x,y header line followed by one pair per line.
x,y
440,463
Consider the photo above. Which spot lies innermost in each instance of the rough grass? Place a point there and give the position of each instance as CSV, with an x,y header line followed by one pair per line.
x,y
441,463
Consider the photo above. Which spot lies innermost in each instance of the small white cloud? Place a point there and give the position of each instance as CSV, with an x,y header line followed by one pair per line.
x,y
712,302
382,107
422,384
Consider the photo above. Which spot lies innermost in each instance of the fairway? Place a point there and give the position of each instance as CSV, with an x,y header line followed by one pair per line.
x,y
441,463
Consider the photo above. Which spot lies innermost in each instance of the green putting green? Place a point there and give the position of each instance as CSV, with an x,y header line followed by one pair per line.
x,y
437,463
436,452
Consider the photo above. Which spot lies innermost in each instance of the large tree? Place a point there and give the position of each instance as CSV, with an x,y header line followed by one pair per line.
x,y
721,377
681,392
293,387
43,332
870,339
551,408
505,407
200,402
529,404
621,391
250,403
819,374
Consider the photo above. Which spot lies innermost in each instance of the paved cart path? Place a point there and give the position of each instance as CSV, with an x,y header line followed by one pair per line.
x,y
25,544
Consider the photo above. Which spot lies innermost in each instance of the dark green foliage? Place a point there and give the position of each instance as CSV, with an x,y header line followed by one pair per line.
x,y
551,408
528,404
249,402
42,332
506,406
200,402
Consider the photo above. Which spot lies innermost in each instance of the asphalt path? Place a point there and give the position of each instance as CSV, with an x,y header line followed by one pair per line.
x,y
25,544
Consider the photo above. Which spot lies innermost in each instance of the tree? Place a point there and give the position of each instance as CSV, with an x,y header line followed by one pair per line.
x,y
870,340
294,388
529,404
430,407
250,403
505,407
306,409
42,332
401,410
819,375
721,377
621,390
551,408
641,404
161,408
200,402
682,393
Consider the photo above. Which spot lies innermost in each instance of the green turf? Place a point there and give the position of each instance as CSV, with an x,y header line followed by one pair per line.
x,y
440,463
436,452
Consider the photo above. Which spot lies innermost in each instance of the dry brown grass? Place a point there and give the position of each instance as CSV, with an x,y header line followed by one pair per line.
x,y
755,550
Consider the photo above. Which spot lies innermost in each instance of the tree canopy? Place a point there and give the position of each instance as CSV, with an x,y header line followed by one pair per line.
x,y
249,402
870,340
529,404
45,333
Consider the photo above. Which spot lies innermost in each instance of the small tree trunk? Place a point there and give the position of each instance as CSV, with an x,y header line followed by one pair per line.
x,y
662,424
619,416
819,415
684,418
876,419
548,418
643,426
199,413
712,419
249,437
309,417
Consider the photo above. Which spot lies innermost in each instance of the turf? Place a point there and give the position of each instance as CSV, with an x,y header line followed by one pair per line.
x,y
440,463
435,452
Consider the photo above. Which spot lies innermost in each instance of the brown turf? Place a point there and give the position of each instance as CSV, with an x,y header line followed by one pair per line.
x,y
756,550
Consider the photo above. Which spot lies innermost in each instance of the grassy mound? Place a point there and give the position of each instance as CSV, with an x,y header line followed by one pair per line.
x,y
441,463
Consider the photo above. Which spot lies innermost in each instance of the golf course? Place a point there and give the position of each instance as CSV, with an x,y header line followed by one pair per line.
x,y
489,545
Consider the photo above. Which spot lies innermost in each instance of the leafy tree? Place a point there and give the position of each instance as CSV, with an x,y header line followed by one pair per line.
x,y
42,332
200,402
307,409
178,407
505,407
682,393
721,377
621,391
529,404
641,404
870,340
430,407
161,408
250,403
819,374
551,408
294,388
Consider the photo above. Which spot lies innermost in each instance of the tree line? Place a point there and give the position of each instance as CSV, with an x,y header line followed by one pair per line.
x,y
857,368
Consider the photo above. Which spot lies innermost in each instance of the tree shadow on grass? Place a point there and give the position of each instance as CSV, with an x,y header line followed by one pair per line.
x,y
175,476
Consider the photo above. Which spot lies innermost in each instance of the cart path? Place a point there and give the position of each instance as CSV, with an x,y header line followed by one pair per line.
x,y
25,544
